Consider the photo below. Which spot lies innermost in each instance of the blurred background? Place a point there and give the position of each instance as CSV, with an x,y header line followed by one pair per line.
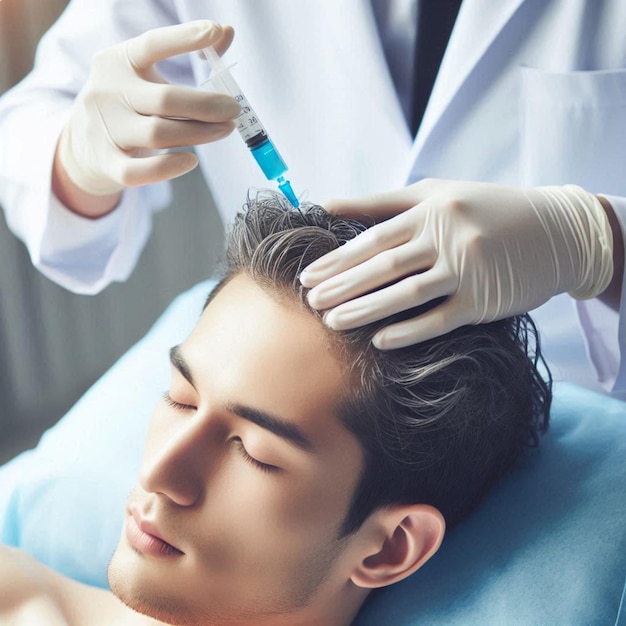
x,y
54,344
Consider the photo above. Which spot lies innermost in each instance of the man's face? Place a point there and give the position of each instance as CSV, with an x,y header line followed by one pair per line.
x,y
247,472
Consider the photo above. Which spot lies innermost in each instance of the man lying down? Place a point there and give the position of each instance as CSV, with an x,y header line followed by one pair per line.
x,y
291,470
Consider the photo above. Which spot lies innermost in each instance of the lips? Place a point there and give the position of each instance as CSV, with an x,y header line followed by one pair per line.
x,y
144,537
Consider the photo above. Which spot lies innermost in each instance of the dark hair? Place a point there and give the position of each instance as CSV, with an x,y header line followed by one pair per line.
x,y
439,422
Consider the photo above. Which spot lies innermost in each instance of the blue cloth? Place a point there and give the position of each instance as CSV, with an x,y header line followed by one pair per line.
x,y
548,546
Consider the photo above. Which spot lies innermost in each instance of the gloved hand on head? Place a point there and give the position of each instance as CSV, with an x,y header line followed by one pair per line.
x,y
126,111
492,251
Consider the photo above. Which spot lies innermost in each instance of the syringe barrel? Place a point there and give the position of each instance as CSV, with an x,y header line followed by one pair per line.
x,y
249,126
269,160
222,81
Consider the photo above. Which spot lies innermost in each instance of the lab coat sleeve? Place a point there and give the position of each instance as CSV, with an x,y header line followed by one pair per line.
x,y
82,255
604,329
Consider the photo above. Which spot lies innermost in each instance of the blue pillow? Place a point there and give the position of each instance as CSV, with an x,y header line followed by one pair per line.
x,y
548,546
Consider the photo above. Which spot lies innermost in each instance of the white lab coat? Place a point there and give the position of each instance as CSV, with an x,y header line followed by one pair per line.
x,y
530,92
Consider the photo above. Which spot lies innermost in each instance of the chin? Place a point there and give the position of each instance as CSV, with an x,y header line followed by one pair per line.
x,y
137,593
143,598
146,595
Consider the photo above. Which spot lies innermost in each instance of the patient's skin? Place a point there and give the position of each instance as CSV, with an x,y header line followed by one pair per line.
x,y
248,545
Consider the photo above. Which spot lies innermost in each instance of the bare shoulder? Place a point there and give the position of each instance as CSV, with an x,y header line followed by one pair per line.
x,y
24,590
31,593
19,576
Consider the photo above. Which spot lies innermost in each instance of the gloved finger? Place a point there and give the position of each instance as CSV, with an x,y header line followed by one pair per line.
x,y
405,294
182,102
382,206
158,133
133,172
364,246
384,268
223,43
152,74
158,44
442,319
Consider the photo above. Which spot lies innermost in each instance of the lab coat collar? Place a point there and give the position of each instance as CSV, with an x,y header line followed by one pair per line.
x,y
463,56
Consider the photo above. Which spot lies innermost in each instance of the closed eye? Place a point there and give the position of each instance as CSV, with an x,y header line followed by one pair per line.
x,y
264,467
179,406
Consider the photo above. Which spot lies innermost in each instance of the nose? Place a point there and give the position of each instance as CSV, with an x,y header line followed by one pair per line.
x,y
176,461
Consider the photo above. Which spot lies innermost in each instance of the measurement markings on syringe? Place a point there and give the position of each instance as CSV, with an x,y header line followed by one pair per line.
x,y
248,125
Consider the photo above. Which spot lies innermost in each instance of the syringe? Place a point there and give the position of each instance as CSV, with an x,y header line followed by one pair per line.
x,y
249,126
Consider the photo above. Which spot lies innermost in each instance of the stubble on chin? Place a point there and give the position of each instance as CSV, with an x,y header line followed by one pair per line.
x,y
141,600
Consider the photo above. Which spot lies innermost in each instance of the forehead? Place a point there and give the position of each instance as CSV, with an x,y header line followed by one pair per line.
x,y
252,349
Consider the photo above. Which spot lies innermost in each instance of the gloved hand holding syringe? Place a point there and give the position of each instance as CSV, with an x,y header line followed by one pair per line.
x,y
249,126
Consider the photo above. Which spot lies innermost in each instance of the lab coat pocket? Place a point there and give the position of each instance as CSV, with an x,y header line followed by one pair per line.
x,y
573,129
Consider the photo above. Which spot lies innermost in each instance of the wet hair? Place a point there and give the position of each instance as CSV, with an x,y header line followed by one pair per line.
x,y
440,422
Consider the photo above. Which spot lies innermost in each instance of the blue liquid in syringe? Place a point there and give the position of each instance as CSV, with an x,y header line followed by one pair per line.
x,y
272,164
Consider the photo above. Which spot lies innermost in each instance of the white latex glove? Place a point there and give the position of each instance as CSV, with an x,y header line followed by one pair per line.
x,y
493,251
126,111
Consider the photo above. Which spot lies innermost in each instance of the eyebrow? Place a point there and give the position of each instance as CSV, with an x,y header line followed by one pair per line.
x,y
176,359
283,428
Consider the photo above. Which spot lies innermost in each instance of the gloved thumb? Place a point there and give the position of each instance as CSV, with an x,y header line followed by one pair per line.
x,y
161,43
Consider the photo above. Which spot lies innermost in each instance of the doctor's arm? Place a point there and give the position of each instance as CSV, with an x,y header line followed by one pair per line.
x,y
80,253
487,251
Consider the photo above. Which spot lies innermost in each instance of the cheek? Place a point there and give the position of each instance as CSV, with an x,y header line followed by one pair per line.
x,y
251,520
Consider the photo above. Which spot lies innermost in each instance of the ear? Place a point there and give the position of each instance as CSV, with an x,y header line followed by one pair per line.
x,y
397,542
